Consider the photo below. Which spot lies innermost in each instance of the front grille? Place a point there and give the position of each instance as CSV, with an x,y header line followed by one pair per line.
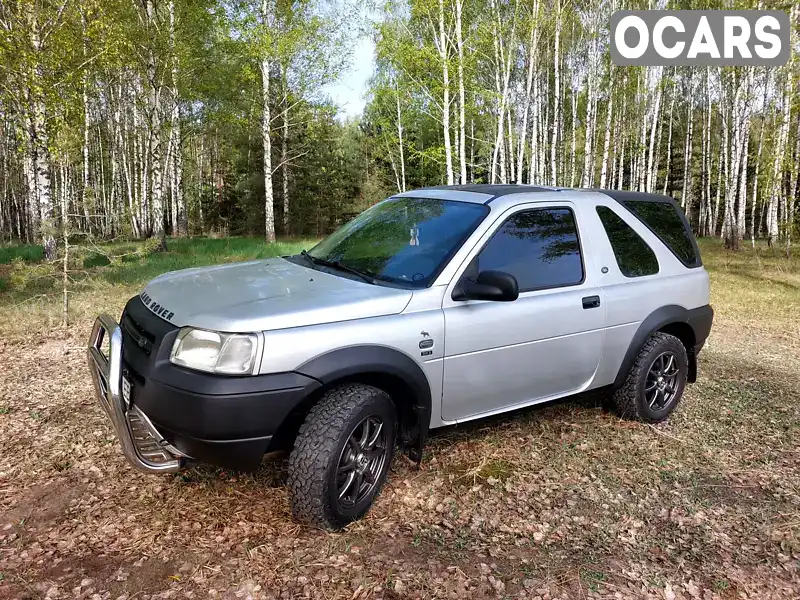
x,y
141,337
143,333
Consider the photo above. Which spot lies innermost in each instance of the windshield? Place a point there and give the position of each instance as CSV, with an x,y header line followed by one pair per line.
x,y
402,240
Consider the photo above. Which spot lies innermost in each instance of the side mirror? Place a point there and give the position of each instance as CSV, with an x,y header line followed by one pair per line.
x,y
491,285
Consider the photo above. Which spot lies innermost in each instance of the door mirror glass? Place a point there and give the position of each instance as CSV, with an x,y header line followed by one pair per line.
x,y
497,286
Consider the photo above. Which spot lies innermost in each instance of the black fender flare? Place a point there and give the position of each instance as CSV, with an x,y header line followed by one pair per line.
x,y
372,360
659,318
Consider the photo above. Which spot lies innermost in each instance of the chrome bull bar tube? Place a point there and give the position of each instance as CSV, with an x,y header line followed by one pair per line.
x,y
142,444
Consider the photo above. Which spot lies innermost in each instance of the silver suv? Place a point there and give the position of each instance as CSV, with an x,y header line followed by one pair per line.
x,y
431,308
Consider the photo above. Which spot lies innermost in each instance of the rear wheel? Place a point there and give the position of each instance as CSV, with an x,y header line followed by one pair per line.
x,y
656,381
341,456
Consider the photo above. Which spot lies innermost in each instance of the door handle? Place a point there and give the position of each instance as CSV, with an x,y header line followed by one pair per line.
x,y
591,302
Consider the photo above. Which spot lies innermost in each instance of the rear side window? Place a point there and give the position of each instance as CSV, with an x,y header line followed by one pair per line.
x,y
662,218
634,257
539,247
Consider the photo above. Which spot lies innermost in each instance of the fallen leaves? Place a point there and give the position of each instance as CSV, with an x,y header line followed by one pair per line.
x,y
561,502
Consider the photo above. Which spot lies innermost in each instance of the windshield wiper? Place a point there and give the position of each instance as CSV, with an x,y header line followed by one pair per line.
x,y
335,264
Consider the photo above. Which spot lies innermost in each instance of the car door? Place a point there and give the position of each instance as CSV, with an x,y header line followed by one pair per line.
x,y
545,344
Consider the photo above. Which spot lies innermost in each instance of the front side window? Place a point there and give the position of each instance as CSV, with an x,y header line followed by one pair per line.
x,y
539,247
402,241
634,257
662,218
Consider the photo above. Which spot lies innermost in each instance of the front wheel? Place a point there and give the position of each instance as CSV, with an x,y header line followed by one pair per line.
x,y
656,381
342,455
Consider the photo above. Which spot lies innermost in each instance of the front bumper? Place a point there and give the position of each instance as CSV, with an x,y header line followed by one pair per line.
x,y
142,444
171,414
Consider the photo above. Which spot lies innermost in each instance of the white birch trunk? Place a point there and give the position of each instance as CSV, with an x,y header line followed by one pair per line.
x,y
154,109
793,188
443,55
29,167
573,158
402,182
741,208
589,130
607,140
754,224
39,146
179,217
777,164
669,140
502,76
543,128
641,155
266,131
266,141
85,148
472,150
533,42
393,164
511,157
652,168
715,214
462,142
556,100
621,177
705,197
533,170
733,146
687,170
285,168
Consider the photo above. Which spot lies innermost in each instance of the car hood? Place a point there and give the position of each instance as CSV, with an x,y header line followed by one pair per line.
x,y
266,294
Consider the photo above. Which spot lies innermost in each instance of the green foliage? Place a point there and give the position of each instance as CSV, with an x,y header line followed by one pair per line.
x,y
135,263
184,253
27,253
30,279
95,259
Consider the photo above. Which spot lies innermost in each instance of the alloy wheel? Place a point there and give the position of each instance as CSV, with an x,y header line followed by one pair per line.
x,y
661,387
361,462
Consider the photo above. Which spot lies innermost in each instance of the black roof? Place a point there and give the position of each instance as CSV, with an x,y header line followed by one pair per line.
x,y
496,190
626,196
492,189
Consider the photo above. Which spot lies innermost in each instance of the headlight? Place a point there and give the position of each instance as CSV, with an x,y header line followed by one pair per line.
x,y
227,353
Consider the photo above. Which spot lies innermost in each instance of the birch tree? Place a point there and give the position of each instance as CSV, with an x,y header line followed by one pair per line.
x,y
556,95
443,46
265,65
778,158
533,43
462,141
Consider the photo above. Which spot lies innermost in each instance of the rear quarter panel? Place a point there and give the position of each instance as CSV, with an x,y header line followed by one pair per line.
x,y
630,300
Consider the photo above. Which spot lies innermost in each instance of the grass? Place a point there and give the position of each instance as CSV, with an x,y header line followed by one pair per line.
x,y
31,290
22,252
759,284
136,269
567,501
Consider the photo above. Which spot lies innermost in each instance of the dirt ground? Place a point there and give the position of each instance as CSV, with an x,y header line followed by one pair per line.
x,y
561,502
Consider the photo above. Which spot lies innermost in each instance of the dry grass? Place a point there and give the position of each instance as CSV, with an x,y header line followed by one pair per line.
x,y
561,502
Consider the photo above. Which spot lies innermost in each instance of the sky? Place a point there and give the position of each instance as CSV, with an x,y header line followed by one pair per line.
x,y
349,91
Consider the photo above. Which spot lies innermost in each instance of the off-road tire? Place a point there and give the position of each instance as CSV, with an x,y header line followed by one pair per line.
x,y
319,445
630,400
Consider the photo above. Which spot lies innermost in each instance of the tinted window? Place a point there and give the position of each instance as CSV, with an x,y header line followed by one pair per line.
x,y
403,240
663,219
539,247
634,257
